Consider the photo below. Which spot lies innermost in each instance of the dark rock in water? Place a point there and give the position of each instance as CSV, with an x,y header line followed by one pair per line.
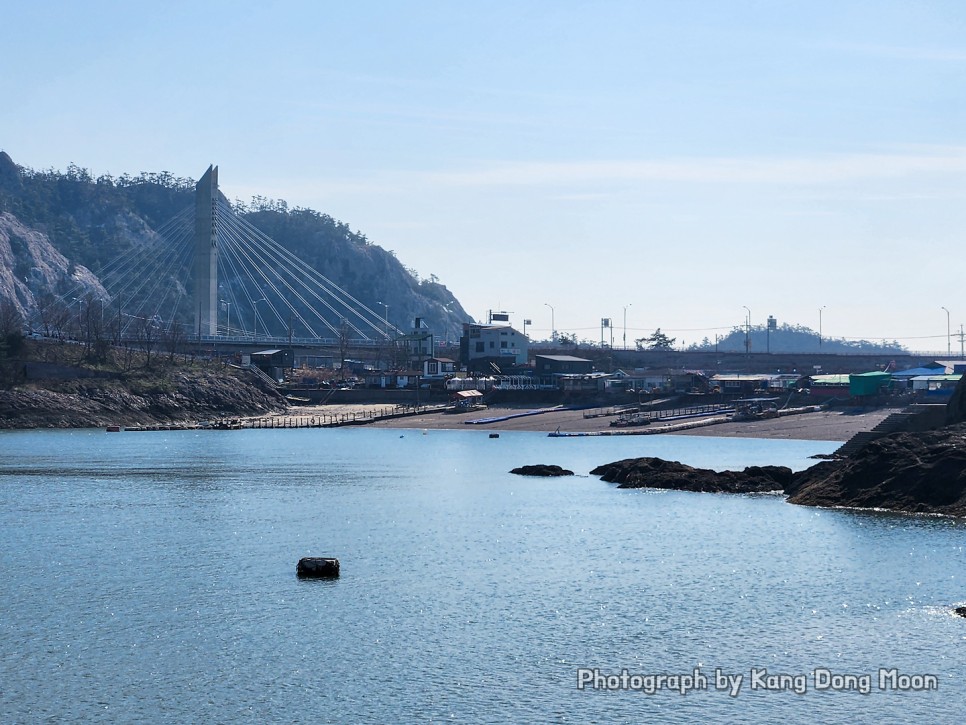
x,y
542,469
657,473
913,472
961,611
317,567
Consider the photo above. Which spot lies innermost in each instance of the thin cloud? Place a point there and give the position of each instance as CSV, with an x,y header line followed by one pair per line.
x,y
900,52
585,180
712,170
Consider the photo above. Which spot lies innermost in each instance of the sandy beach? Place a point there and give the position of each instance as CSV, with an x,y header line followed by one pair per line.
x,y
826,425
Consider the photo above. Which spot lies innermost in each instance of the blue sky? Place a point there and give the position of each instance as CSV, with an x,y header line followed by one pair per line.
x,y
684,160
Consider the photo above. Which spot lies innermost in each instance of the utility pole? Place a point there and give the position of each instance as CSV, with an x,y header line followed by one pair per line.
x,y
949,343
747,331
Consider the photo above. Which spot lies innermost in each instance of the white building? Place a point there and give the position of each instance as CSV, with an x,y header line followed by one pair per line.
x,y
500,343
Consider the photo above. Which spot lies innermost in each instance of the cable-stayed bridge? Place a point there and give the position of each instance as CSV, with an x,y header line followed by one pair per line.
x,y
213,277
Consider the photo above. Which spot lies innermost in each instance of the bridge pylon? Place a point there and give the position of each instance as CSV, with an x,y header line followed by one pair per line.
x,y
206,253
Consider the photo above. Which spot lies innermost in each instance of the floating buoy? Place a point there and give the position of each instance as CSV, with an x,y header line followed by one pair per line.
x,y
494,435
317,567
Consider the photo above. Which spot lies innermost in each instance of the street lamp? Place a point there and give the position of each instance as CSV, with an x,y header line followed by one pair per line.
x,y
949,349
820,325
254,306
553,326
629,304
385,317
747,331
228,326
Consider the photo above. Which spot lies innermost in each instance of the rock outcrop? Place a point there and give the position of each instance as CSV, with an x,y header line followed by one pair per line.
x,y
318,567
657,473
173,397
542,469
912,472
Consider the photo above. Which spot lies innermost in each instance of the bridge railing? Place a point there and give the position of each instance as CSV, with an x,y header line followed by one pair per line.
x,y
280,341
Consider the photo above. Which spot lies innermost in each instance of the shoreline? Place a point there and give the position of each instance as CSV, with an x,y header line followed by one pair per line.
x,y
823,425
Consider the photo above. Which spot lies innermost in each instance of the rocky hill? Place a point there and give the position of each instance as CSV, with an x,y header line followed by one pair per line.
x,y
56,228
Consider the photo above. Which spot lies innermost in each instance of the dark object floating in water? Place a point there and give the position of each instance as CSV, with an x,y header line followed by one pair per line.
x,y
317,567
961,611
494,435
542,469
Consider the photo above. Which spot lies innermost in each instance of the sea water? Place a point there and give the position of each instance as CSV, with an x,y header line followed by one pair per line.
x,y
150,577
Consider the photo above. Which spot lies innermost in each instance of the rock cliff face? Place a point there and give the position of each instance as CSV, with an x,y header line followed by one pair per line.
x,y
30,268
178,396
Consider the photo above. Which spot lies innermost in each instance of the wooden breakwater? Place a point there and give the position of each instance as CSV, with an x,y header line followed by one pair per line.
x,y
337,420
319,420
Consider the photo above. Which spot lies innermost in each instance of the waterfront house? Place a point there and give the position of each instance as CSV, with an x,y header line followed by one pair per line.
x,y
492,348
438,366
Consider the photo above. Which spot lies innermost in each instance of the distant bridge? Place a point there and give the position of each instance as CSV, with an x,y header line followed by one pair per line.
x,y
210,276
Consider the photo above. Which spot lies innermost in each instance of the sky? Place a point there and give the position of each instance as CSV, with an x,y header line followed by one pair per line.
x,y
674,165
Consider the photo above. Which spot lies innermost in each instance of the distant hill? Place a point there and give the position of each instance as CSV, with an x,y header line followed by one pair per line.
x,y
55,226
792,338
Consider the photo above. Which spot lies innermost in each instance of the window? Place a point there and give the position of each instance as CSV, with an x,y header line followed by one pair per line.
x,y
479,347
503,343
